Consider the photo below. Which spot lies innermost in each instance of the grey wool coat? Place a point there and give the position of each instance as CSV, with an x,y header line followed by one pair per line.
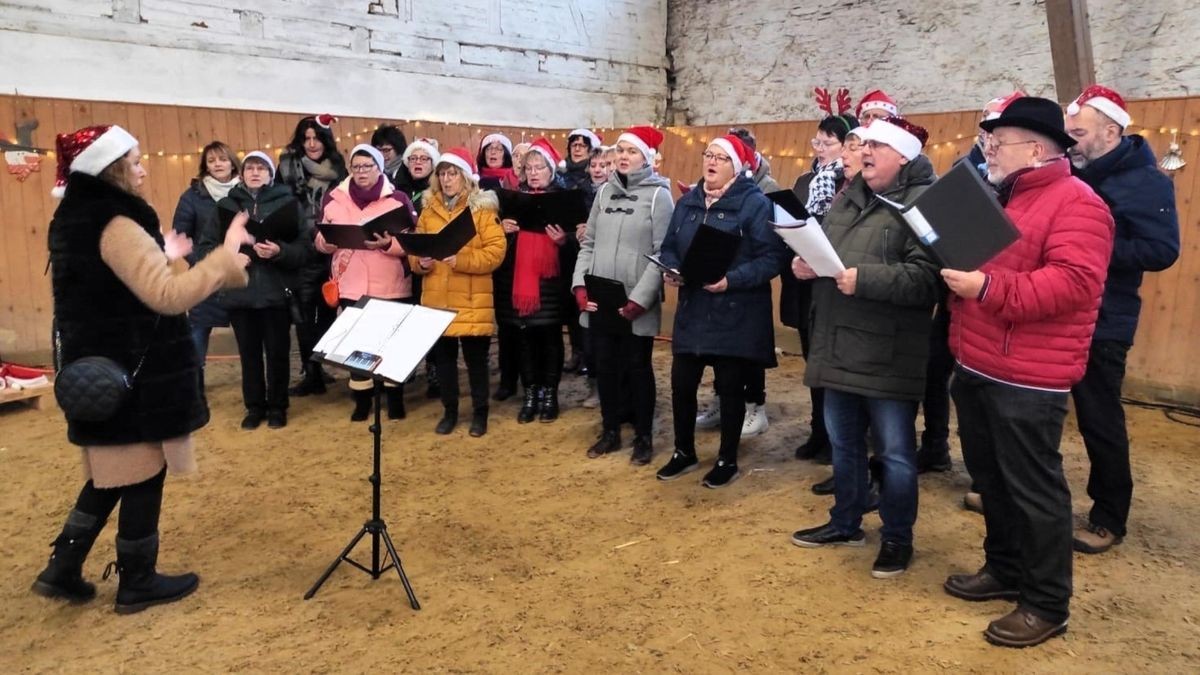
x,y
628,221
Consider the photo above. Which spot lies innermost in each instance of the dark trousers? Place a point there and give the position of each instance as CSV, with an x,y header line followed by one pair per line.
x,y
731,373
1010,439
624,378
1102,424
317,318
541,355
508,354
475,353
756,384
937,383
141,504
804,301
892,424
258,332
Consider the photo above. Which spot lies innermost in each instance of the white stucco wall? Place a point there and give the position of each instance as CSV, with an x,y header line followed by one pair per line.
x,y
547,63
758,60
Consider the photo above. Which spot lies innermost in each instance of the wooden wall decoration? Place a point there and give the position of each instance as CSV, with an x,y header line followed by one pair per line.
x,y
1164,364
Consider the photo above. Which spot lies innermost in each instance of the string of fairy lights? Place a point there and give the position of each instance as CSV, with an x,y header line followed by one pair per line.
x,y
688,135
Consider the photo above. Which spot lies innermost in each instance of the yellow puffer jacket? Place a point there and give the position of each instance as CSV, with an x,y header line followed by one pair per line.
x,y
467,286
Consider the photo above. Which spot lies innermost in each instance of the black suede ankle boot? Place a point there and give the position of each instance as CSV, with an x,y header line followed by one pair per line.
x,y
141,585
63,576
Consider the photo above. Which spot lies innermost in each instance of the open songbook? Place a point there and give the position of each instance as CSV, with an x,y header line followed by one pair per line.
x,y
803,234
958,220
382,338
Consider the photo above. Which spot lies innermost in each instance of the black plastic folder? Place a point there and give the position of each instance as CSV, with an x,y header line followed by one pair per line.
x,y
789,202
534,211
708,257
444,243
609,296
356,236
283,224
958,220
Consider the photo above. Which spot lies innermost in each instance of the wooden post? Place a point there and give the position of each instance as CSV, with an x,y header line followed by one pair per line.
x,y
1070,47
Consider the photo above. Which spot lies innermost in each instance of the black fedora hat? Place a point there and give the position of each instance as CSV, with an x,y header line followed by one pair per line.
x,y
1035,114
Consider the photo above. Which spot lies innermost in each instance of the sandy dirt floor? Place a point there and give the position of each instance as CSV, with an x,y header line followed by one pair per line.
x,y
528,557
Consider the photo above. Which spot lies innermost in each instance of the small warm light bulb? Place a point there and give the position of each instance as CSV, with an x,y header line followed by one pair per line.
x,y
161,153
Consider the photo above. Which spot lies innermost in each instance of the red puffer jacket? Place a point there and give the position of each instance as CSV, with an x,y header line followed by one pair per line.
x,y
1034,323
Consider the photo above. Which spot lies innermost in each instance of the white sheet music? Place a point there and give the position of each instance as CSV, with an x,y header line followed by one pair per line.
x,y
809,242
398,333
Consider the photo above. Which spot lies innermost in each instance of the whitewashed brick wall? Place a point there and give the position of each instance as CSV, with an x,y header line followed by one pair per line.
x,y
758,60
548,63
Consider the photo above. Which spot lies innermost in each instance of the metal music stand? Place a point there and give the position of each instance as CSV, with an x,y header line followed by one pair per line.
x,y
376,527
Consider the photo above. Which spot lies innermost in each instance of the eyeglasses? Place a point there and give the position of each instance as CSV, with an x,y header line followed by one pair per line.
x,y
420,159
579,144
362,168
714,157
817,143
994,145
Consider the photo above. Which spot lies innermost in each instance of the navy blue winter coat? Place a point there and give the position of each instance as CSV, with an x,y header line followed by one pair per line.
x,y
737,322
1142,201
196,212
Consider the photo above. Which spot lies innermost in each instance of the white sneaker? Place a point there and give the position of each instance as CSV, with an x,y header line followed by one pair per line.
x,y
756,420
710,417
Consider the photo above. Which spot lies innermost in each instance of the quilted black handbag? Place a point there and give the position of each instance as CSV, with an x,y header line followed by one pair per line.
x,y
93,388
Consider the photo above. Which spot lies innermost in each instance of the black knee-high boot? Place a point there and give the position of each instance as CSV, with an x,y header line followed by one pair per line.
x,y
63,576
140,585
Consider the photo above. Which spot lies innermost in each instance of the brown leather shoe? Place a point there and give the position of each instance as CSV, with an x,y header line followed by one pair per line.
x,y
1022,628
978,587
973,501
1095,539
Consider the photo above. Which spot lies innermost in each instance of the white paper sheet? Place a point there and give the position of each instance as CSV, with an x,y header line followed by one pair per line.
x,y
809,242
398,333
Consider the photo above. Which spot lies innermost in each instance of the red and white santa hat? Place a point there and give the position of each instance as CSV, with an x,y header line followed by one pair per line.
x,y
1106,101
429,145
646,139
876,99
1000,103
545,149
903,136
89,150
742,156
496,138
461,159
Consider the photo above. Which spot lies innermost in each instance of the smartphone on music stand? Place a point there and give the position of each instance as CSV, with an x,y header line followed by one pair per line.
x,y
363,361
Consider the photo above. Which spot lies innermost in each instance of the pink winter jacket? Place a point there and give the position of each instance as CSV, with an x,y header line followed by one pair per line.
x,y
380,274
1033,324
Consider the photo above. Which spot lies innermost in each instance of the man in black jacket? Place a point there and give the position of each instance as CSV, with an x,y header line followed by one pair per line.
x,y
1124,172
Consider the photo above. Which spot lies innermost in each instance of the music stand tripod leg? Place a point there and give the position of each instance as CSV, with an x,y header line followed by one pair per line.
x,y
391,548
336,561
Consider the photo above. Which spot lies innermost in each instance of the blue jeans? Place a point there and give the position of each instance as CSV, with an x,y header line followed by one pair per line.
x,y
200,335
893,428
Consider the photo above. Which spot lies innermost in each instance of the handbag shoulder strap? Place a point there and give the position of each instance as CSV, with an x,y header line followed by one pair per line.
x,y
142,359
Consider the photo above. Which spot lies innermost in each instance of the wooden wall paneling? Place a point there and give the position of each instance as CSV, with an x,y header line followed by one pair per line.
x,y
39,228
220,127
21,237
12,284
1175,353
1160,290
